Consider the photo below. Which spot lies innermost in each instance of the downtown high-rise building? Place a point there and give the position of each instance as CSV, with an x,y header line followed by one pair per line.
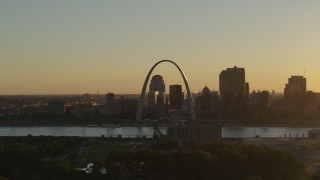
x,y
295,92
157,84
234,90
157,97
156,88
176,97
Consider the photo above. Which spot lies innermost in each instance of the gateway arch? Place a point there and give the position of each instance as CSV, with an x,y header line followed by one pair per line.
x,y
143,92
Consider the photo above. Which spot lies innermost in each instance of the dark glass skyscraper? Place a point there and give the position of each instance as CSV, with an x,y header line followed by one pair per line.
x,y
176,97
233,89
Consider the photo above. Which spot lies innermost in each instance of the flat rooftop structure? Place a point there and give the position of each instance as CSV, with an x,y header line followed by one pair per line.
x,y
314,133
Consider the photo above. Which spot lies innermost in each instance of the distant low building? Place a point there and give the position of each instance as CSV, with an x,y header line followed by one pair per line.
x,y
56,107
88,100
259,101
110,104
207,104
318,102
78,111
123,106
129,106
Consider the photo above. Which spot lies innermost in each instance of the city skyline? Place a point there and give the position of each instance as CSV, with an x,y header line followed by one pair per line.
x,y
72,48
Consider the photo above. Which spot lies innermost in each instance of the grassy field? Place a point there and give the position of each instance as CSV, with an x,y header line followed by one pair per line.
x,y
101,150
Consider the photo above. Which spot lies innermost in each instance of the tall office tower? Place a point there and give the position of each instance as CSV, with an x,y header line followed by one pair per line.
x,y
233,89
157,84
156,87
294,92
161,107
161,98
176,97
152,98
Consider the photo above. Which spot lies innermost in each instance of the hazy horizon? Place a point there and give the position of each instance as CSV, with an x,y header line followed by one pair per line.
x,y
74,47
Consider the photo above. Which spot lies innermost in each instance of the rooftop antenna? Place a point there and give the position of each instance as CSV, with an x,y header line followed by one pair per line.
x,y
304,72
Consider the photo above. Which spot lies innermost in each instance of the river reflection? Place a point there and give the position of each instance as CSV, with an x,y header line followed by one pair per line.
x,y
231,132
234,132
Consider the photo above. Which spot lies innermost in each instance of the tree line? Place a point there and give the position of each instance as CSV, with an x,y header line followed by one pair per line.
x,y
34,158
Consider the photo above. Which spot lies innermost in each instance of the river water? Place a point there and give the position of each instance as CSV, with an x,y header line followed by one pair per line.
x,y
85,131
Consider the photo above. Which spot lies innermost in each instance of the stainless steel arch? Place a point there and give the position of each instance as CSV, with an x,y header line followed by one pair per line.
x,y
143,92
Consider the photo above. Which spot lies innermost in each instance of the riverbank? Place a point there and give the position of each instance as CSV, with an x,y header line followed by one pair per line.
x,y
105,122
